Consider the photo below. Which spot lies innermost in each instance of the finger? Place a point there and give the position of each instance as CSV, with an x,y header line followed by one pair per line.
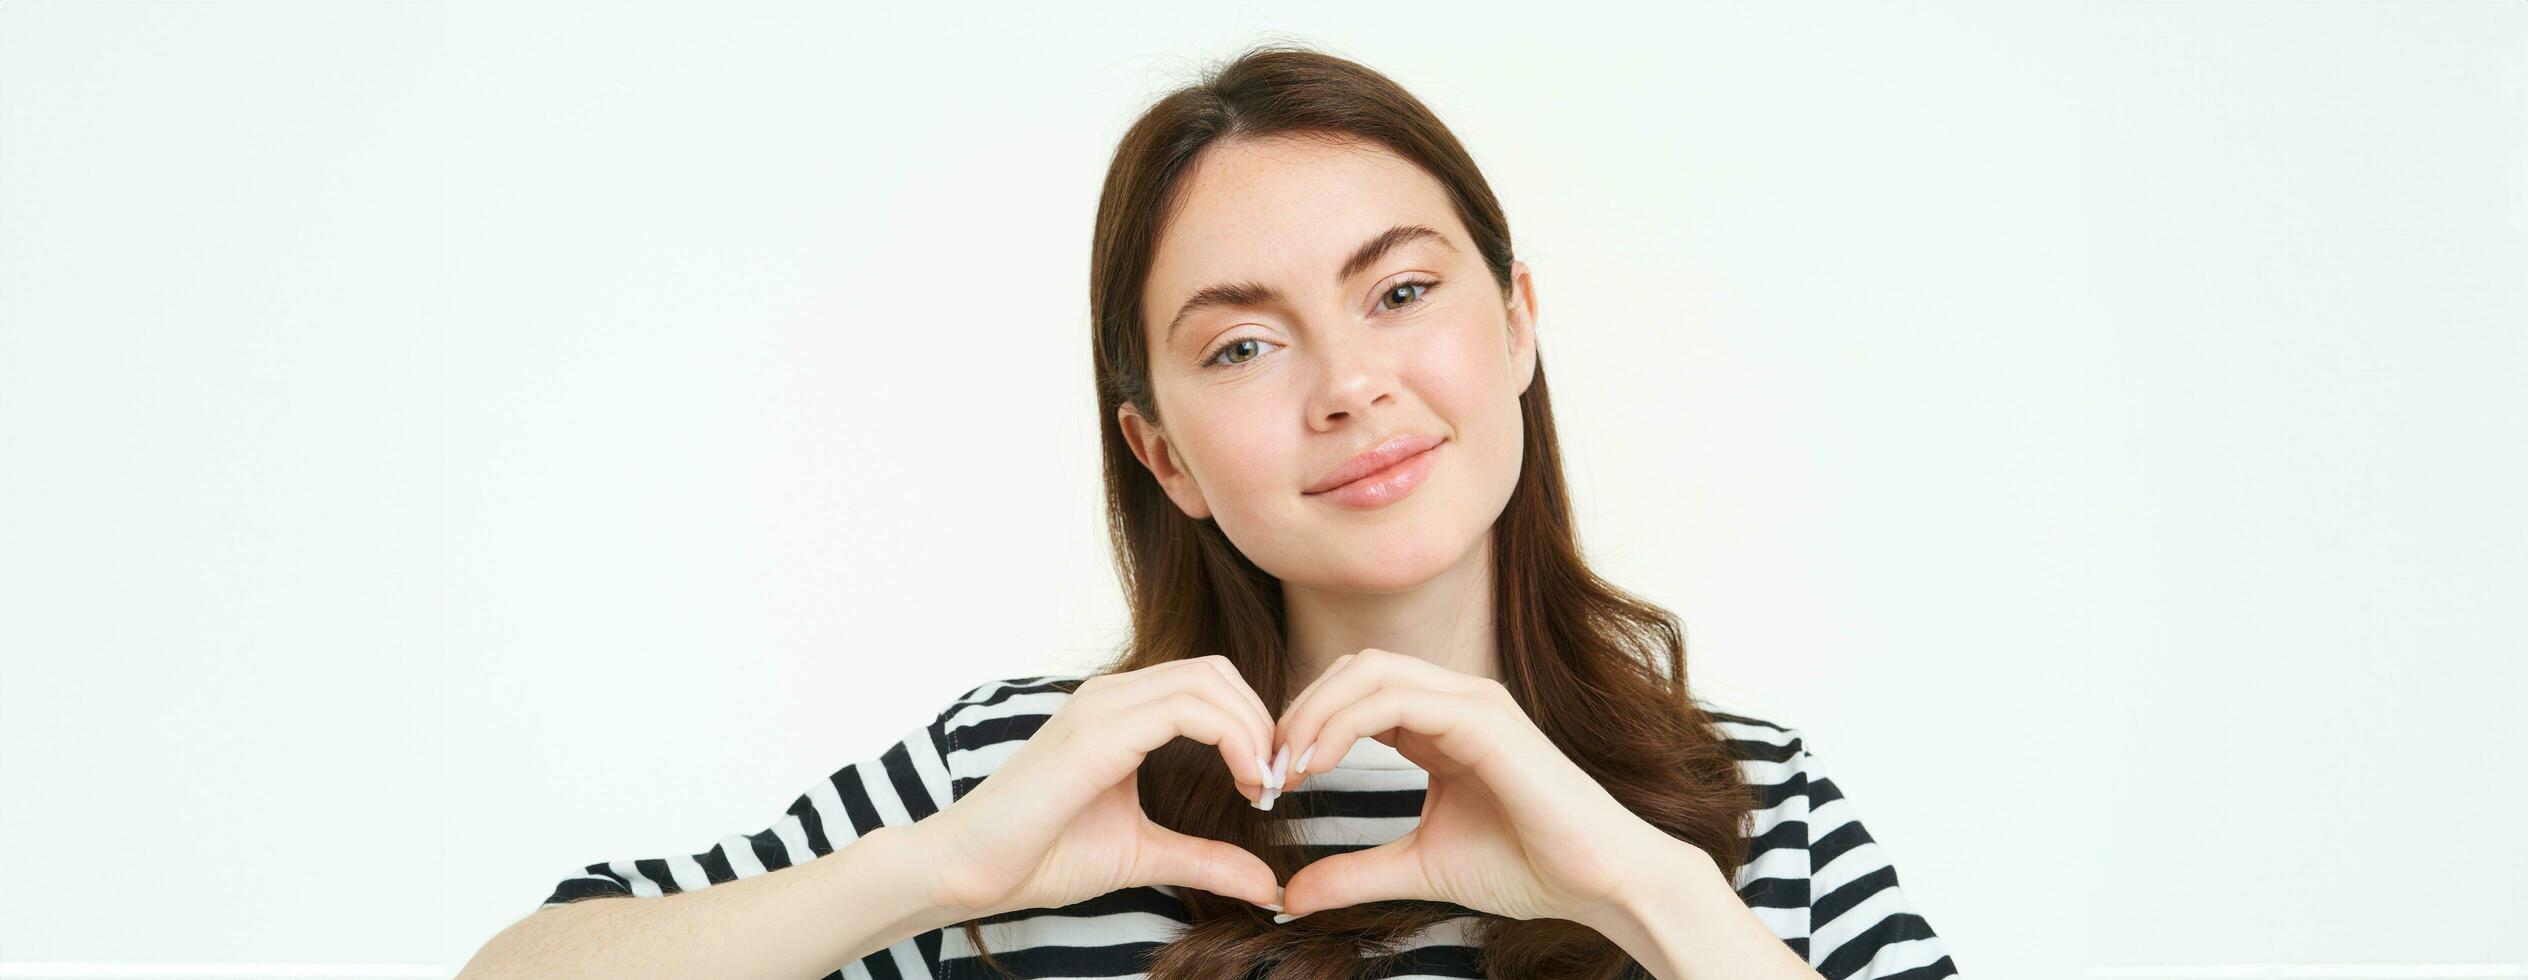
x,y
1239,681
1451,722
1387,872
1303,756
1241,690
1319,682
1134,686
1218,683
1144,727
1166,857
1370,670
1196,678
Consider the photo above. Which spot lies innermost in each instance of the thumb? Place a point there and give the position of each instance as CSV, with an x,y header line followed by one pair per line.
x,y
1219,867
1386,872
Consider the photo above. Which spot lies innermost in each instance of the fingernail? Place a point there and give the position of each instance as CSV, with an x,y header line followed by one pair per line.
x,y
1299,769
1275,906
1281,767
1279,919
1267,802
1263,771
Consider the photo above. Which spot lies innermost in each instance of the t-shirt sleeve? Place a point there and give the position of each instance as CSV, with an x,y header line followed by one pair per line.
x,y
898,785
1861,926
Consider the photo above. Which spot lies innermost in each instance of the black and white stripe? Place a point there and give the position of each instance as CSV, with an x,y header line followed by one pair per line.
x,y
904,783
1813,875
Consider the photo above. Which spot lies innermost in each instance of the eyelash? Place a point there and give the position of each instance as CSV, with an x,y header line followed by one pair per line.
x,y
1212,359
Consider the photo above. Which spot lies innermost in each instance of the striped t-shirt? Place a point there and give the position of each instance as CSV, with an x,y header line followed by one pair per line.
x,y
1812,874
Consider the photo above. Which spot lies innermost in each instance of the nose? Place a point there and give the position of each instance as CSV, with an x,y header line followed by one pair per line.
x,y
1351,377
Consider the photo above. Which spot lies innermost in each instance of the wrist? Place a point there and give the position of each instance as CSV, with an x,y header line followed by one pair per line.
x,y
1667,874
1683,920
874,891
917,872
1650,915
950,883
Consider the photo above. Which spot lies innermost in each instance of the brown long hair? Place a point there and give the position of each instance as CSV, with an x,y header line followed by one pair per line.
x,y
1600,671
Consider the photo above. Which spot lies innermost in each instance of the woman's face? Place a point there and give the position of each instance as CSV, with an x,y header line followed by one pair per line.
x,y
1307,361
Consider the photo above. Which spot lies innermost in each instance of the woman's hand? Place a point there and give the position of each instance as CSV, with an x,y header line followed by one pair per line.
x,y
1060,821
1510,826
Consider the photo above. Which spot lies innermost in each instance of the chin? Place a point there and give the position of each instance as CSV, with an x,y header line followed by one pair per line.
x,y
1402,562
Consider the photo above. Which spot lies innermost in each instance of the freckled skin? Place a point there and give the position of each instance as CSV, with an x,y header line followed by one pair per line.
x,y
1334,369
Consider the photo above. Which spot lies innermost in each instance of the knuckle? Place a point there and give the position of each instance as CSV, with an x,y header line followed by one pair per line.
x,y
1192,711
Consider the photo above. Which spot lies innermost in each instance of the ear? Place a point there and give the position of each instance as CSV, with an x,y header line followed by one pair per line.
x,y
1151,446
1522,325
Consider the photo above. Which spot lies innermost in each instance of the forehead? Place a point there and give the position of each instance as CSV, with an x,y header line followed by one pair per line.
x,y
1286,211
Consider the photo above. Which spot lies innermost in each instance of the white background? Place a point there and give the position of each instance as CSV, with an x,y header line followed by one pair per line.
x,y
449,444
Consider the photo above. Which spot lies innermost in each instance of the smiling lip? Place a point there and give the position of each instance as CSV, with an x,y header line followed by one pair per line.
x,y
1380,476
1378,457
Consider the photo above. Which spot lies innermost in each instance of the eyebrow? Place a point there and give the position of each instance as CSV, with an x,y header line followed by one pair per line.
x,y
1252,293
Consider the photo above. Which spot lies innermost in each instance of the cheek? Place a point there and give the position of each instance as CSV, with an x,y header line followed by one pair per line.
x,y
1467,379
1237,456
1464,370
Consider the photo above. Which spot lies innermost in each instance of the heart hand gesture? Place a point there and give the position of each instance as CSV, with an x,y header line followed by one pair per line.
x,y
1510,825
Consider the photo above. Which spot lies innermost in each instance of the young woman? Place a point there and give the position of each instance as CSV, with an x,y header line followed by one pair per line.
x,y
1376,717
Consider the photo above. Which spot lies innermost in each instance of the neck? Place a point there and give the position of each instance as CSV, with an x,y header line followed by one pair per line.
x,y
1446,620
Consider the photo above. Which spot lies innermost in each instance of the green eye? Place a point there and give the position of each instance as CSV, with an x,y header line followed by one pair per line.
x,y
1214,359
1410,291
1405,287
